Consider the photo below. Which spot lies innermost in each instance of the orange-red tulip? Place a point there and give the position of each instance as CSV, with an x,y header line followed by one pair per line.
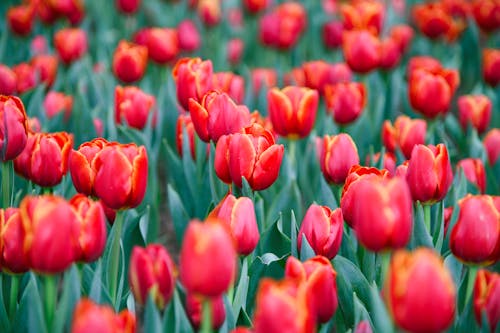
x,y
476,110
337,154
57,102
345,101
91,317
491,144
163,44
405,134
487,14
134,107
8,81
20,19
231,84
12,256
129,61
486,297
71,44
361,50
473,169
193,79
128,6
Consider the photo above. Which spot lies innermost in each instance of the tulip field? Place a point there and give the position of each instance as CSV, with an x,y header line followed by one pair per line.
x,y
249,166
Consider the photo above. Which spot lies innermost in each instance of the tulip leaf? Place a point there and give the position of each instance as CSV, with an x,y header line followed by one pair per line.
x,y
4,318
281,201
420,235
246,190
381,319
244,319
349,245
455,268
306,251
240,295
69,298
439,228
175,319
230,321
32,299
293,234
360,311
152,321
275,241
180,218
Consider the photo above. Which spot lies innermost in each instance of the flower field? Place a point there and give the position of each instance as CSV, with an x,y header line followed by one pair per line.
x,y
249,166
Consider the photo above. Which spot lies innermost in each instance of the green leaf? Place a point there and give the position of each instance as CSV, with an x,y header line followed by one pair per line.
x,y
280,203
360,311
420,236
381,319
293,235
152,321
33,301
306,251
180,218
175,319
275,241
4,318
69,298
240,297
438,236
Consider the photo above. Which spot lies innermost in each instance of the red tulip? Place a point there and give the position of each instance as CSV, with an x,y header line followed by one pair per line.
x,y
491,144
134,107
390,53
332,34
128,6
235,49
293,110
71,44
475,238
163,44
184,122
8,81
209,11
193,78
129,61
194,308
20,19
419,291
45,66
364,14
403,35
152,273
473,169
263,78
486,297
476,110
345,101
318,74
423,62
433,20
26,77
188,36
491,66
429,174
231,84
337,154
13,127
361,50
256,6
12,256
91,317
323,229
487,14
207,242
57,102
405,134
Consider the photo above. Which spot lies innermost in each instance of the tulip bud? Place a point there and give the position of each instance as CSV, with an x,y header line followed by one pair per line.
x,y
163,44
332,34
337,154
293,110
473,169
475,238
129,61
345,101
363,14
486,15
8,81
209,11
26,77
231,84
361,50
71,44
322,228
429,174
241,329
491,66
50,239
405,134
57,102
12,257
283,26
188,36
193,79
20,19
390,53
385,221
402,35
128,6
432,19
486,297
91,317
45,67
419,291
134,107
152,272
491,144
235,48
476,110
194,308
239,215
207,242
13,127
256,6
318,74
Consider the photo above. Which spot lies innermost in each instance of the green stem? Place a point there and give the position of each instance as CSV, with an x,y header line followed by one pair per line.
x,y
427,217
50,294
206,316
385,260
115,256
292,149
6,176
14,290
471,279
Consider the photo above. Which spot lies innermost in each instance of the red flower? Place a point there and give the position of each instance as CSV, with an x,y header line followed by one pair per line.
x,y
473,169
188,36
128,6
231,84
45,66
337,154
71,44
134,107
487,14
129,61
345,101
491,66
20,19
364,14
57,102
8,81
194,308
12,256
476,110
405,134
163,44
491,144
361,50
91,317
319,73
487,297
13,127
193,78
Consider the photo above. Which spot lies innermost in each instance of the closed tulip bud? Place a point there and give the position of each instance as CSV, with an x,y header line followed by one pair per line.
x,y
20,19
128,6
491,144
256,6
207,242
486,297
356,173
193,79
419,291
365,14
231,84
13,127
194,307
188,36
475,238
134,107
320,278
217,115
322,227
12,257
163,45
385,221
473,169
476,110
345,101
8,81
57,102
129,61
319,73
51,239
390,53
239,215
429,174
361,50
402,35
337,154
26,77
209,11
71,44
44,160
293,110
332,34
252,154
263,78
423,62
235,48
432,19
45,66
286,300
71,9
430,92
486,14
491,66
90,215
91,317
405,134
152,273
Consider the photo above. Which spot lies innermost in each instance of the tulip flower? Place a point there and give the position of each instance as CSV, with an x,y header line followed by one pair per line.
x,y
193,79
318,74
231,84
152,272
473,169
217,115
345,101
256,6
429,174
323,229
116,173
134,107
72,9
419,291
188,36
405,134
364,14
209,12
486,297
71,44
45,66
491,144
491,66
57,102
361,50
252,154
332,34
90,215
235,49
51,239
389,162
26,77
356,173
263,78
403,35
44,160
239,215
13,127
476,110
91,317
207,242
475,238
486,14
163,44
20,19
320,278
8,81
184,123
129,61
128,6
433,20
194,309
293,110
384,221
12,257
337,154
